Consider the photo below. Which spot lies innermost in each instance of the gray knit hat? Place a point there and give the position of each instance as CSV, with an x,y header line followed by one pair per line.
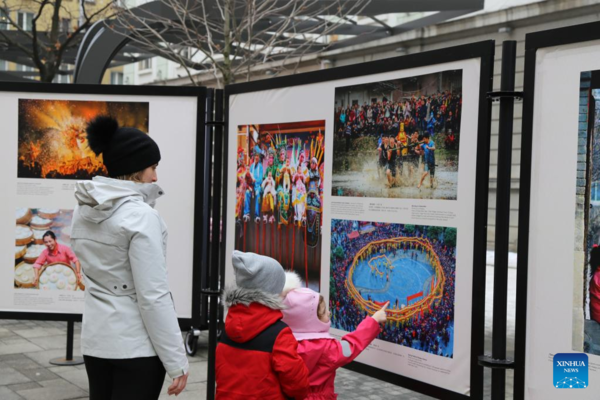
x,y
253,271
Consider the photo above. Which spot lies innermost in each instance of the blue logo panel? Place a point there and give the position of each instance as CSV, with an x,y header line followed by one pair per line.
x,y
571,371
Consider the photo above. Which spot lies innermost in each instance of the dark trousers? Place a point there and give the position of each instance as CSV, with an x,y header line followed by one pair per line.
x,y
124,379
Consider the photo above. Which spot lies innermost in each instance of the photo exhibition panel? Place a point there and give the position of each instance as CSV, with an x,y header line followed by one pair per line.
x,y
45,153
365,187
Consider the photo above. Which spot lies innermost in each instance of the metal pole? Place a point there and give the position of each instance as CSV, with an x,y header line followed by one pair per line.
x,y
69,359
216,205
507,83
70,334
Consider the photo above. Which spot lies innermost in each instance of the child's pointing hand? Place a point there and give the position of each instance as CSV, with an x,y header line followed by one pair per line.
x,y
380,315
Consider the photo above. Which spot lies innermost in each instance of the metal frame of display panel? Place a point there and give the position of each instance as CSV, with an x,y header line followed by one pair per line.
x,y
485,52
534,42
202,182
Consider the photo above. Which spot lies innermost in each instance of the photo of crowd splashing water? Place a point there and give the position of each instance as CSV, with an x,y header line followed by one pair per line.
x,y
52,141
398,138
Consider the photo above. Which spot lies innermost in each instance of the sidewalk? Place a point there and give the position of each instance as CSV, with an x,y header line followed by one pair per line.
x,y
26,347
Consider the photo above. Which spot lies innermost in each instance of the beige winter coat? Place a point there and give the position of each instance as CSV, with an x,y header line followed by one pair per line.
x,y
121,241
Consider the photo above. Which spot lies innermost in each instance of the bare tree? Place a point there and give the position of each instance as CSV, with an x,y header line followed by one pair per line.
x,y
56,28
229,38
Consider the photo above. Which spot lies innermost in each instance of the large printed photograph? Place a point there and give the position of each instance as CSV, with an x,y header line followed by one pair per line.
x,y
398,138
43,256
587,218
279,194
52,140
410,266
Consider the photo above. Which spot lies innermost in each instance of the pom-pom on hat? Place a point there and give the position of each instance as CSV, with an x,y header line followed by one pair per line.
x,y
124,150
253,271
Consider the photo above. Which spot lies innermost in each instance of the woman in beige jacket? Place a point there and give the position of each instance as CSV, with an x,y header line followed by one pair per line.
x,y
130,336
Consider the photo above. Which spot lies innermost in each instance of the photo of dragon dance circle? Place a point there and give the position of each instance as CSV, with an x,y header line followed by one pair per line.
x,y
381,266
411,267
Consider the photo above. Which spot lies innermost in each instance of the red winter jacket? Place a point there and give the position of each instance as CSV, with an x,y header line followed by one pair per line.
x,y
257,357
595,296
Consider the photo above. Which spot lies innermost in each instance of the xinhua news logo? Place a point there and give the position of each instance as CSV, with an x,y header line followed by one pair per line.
x,y
571,371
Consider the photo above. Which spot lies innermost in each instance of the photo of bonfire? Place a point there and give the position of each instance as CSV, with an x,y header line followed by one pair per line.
x,y
52,140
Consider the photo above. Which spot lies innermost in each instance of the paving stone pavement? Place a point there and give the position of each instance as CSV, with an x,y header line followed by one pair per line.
x,y
26,347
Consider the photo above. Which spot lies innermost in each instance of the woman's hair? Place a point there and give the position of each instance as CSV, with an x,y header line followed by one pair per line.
x,y
135,177
321,308
49,233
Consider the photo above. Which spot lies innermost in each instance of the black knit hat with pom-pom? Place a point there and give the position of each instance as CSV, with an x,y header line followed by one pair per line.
x,y
124,150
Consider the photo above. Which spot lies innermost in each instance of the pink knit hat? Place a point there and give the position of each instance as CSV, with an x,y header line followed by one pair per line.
x,y
301,315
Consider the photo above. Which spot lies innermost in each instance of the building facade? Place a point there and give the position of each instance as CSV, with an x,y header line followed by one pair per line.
x,y
23,14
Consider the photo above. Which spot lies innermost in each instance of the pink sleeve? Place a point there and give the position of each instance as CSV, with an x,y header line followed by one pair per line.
x,y
41,260
358,340
70,255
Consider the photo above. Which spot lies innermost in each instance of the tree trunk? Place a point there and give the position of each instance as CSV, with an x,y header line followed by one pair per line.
x,y
46,77
48,72
226,68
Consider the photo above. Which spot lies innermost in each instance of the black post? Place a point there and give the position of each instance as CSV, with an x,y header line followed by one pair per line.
x,y
507,84
208,173
69,359
70,334
216,205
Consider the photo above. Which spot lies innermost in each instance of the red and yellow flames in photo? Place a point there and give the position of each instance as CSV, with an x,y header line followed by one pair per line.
x,y
52,137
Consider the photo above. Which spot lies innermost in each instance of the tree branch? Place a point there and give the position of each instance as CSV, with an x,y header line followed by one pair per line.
x,y
236,36
10,42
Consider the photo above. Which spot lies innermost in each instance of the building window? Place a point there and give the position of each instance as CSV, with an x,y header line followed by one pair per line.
x,y
25,68
60,78
146,64
186,53
25,20
65,25
4,23
116,78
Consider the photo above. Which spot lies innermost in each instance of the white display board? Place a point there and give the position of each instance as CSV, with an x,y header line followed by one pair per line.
x,y
557,288
42,131
282,112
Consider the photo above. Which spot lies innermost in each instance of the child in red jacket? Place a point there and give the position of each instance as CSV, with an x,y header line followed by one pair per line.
x,y
257,356
595,283
306,314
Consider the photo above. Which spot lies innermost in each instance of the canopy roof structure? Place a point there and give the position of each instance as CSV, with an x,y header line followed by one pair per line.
x,y
12,53
102,48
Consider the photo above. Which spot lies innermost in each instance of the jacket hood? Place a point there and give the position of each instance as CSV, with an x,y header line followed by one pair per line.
x,y
99,198
251,311
300,314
